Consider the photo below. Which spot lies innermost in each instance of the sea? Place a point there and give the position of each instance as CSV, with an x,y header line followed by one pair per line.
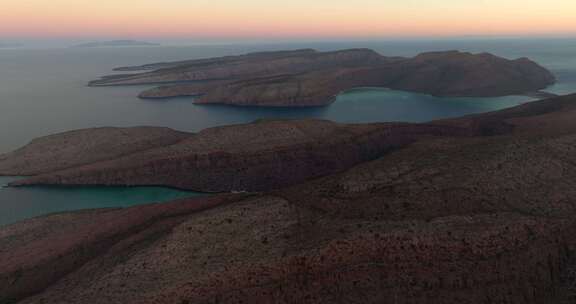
x,y
43,91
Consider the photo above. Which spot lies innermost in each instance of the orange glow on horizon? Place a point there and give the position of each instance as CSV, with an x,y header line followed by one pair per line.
x,y
295,18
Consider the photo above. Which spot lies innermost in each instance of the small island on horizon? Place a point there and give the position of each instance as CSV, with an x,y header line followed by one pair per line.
x,y
306,77
115,43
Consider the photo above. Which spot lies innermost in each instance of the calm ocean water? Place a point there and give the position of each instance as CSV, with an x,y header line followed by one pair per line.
x,y
44,91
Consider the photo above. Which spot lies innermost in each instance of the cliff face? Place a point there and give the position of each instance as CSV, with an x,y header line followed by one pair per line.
x,y
309,78
482,219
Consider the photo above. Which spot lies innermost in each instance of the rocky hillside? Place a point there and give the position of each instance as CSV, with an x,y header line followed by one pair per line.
x,y
260,156
81,147
488,218
246,66
309,78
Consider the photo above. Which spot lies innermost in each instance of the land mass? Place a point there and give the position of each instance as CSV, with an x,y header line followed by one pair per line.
x,y
114,43
254,157
478,209
310,78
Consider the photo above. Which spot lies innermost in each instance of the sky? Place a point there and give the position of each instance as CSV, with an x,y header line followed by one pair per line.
x,y
284,18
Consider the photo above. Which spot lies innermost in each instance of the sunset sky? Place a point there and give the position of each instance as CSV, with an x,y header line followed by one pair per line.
x,y
288,19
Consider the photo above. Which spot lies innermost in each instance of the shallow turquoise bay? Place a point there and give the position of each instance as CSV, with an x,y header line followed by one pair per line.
x,y
21,203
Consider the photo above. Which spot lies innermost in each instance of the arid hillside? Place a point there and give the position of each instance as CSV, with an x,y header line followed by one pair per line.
x,y
487,215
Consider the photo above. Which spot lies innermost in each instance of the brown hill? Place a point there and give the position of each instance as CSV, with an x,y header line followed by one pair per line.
x,y
488,218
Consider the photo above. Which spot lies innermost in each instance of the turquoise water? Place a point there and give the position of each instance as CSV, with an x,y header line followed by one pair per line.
x,y
21,203
44,91
374,104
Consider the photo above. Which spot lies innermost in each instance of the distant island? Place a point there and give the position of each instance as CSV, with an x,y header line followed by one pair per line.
x,y
306,77
115,43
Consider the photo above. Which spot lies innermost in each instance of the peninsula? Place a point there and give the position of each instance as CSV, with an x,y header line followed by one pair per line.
x,y
310,78
477,209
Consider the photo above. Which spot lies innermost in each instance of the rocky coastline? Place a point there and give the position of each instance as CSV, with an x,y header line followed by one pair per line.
x,y
307,77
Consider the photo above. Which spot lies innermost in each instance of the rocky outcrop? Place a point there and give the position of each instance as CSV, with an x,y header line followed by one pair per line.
x,y
309,78
483,219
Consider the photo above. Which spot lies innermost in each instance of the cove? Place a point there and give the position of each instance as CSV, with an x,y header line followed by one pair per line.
x,y
21,203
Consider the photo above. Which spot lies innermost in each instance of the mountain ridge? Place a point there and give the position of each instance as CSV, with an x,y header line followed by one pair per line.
x,y
306,77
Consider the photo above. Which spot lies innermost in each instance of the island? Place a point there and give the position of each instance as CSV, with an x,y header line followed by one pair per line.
x,y
302,78
477,209
114,43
